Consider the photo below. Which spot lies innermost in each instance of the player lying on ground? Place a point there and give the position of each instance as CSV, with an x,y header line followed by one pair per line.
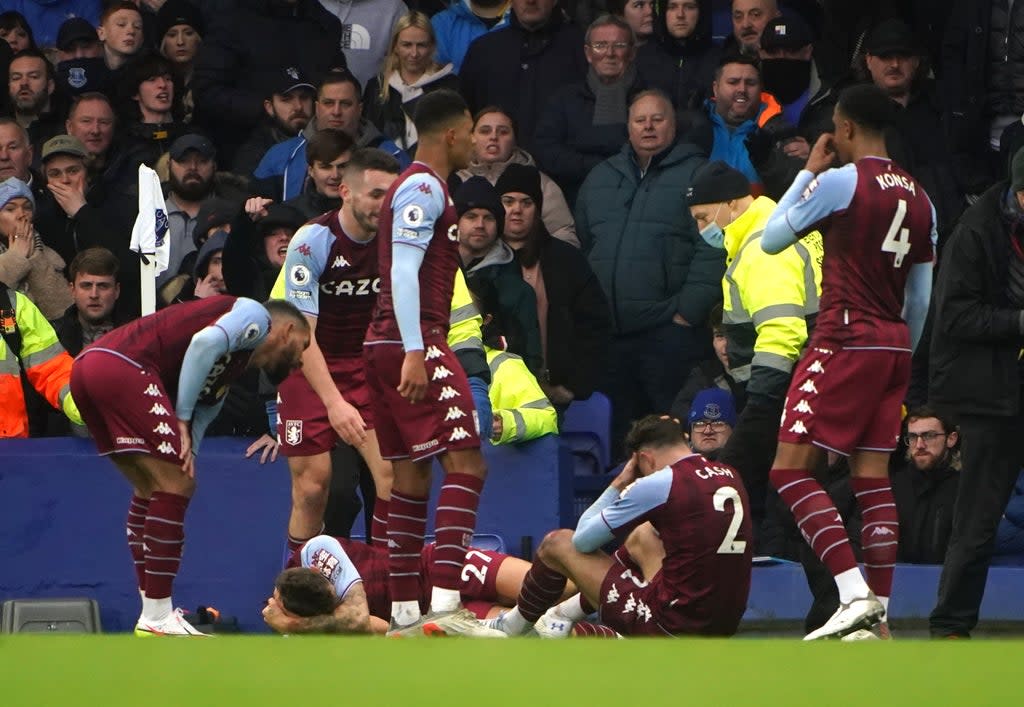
x,y
336,585
699,510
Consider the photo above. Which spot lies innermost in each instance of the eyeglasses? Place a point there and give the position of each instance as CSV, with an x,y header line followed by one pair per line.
x,y
716,426
605,47
911,438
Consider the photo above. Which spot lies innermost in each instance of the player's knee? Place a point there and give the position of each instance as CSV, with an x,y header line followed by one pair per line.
x,y
180,485
310,491
554,545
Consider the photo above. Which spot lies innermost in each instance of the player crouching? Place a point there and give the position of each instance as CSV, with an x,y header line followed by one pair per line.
x,y
699,510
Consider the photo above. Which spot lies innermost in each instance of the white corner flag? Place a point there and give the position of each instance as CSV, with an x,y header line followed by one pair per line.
x,y
149,236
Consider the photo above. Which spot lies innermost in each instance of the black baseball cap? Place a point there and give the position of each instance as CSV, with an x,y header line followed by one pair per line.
x,y
192,141
286,80
75,29
892,38
788,31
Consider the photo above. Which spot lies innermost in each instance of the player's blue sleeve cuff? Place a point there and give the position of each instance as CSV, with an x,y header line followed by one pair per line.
x,y
592,532
778,234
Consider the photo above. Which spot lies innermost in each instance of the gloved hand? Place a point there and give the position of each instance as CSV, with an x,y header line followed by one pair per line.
x,y
483,406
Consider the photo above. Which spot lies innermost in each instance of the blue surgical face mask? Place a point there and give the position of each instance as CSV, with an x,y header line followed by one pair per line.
x,y
713,234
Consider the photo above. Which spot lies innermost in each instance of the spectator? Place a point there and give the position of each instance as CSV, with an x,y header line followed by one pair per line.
x,y
749,18
575,325
83,209
893,61
787,69
120,31
45,18
710,373
81,67
338,106
520,66
191,170
94,292
485,256
409,72
114,164
770,303
47,366
30,87
494,149
463,21
244,50
209,272
638,14
982,60
520,411
16,154
925,487
255,250
327,155
288,108
660,278
179,31
680,60
26,264
711,420
584,122
367,26
16,31
148,83
977,334
744,128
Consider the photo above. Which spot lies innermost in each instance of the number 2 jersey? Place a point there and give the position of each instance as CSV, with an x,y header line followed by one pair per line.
x,y
334,278
877,223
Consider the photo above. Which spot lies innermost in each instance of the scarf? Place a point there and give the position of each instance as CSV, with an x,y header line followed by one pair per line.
x,y
610,107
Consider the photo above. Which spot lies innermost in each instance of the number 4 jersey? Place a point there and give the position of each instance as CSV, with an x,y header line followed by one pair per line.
x,y
877,223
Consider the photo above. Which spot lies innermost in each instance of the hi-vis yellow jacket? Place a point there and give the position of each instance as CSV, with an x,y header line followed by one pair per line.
x,y
770,301
47,367
516,397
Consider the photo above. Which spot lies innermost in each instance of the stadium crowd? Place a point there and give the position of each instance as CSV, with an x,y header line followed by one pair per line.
x,y
624,157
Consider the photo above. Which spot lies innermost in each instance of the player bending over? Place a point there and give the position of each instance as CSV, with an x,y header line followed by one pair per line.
x,y
699,509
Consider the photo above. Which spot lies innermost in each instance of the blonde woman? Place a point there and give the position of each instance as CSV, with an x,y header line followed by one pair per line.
x,y
409,72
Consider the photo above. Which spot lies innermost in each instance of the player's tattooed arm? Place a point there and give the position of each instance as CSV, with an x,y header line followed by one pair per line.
x,y
352,615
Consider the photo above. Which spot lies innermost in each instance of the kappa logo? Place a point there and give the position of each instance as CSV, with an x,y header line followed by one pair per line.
x,y
159,409
458,434
881,530
643,611
340,262
152,391
613,595
292,432
304,249
816,367
454,413
432,353
392,544
803,407
808,387
798,428
630,605
164,429
166,448
440,373
447,393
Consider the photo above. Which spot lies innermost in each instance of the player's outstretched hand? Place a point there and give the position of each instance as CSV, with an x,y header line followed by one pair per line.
x,y
268,447
187,460
823,154
347,422
413,384
256,207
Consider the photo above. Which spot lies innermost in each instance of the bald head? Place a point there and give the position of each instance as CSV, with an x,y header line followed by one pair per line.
x,y
652,124
748,20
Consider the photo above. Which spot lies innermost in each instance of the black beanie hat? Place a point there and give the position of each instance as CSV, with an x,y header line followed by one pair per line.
x,y
477,193
178,12
524,179
716,182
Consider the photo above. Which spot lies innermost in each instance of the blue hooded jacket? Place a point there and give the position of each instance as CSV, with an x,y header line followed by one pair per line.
x,y
46,16
456,28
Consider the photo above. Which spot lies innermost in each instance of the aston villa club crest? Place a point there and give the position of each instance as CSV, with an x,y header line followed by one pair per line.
x,y
76,77
292,432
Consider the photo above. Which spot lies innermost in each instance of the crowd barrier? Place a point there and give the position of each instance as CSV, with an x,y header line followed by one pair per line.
x,y
62,532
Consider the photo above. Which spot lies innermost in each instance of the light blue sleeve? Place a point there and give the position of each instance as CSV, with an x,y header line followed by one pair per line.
x,y
405,293
240,329
415,207
916,299
325,555
202,417
626,512
304,264
808,201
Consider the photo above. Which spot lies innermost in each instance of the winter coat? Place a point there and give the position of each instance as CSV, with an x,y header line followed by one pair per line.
x,y
976,334
568,144
40,277
555,213
642,242
456,28
924,503
393,116
519,69
265,136
683,69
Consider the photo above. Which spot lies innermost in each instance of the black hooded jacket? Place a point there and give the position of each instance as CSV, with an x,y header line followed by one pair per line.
x,y
682,68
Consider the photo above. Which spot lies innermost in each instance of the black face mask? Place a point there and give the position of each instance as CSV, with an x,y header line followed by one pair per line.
x,y
786,79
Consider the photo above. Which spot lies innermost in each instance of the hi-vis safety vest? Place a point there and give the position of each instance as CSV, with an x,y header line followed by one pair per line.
x,y
47,366
516,396
770,301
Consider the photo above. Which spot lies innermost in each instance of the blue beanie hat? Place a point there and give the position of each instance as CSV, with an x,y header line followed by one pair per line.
x,y
713,404
12,188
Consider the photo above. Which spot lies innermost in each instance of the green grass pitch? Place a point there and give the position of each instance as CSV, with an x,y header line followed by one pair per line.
x,y
344,672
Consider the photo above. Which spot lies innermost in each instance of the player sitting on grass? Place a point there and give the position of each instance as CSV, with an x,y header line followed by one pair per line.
x,y
699,510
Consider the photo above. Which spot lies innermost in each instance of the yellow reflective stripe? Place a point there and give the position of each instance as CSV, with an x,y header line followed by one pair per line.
x,y
498,360
473,342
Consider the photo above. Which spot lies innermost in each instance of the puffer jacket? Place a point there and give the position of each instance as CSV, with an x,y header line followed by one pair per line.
x,y
642,242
